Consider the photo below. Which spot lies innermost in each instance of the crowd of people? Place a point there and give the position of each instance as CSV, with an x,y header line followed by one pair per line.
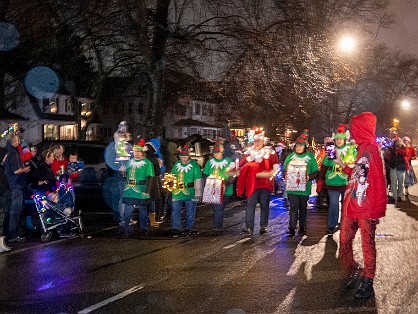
x,y
348,170
22,173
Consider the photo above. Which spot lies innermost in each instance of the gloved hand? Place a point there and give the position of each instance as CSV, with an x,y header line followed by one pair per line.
x,y
319,185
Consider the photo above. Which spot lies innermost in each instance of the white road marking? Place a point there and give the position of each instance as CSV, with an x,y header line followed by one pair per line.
x,y
109,300
236,243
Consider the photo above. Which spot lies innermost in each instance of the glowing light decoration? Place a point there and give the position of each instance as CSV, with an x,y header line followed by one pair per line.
x,y
12,128
170,182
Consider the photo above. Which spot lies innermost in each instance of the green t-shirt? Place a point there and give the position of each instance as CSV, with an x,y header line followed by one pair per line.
x,y
218,168
137,172
297,168
185,174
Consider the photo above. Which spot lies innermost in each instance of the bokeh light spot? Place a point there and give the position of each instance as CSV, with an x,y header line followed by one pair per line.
x,y
42,82
9,37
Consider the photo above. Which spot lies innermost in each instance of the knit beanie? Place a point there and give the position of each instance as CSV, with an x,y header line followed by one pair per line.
x,y
185,150
303,138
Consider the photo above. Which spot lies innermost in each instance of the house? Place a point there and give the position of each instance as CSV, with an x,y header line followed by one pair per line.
x,y
193,117
50,118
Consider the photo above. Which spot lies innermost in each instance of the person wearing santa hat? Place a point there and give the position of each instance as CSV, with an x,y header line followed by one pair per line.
x,y
258,166
364,203
335,179
137,188
218,166
188,191
299,168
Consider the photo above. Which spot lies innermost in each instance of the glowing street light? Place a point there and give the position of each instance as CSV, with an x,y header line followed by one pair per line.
x,y
347,44
406,104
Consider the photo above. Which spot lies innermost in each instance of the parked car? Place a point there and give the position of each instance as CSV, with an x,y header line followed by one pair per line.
x,y
88,186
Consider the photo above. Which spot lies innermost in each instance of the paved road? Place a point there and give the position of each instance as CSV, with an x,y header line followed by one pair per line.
x,y
207,273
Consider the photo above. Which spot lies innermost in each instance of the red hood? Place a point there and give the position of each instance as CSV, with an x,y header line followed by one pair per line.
x,y
363,127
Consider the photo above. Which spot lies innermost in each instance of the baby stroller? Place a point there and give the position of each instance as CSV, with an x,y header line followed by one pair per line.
x,y
56,212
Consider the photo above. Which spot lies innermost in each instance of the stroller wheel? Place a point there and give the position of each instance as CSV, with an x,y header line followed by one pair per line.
x,y
46,236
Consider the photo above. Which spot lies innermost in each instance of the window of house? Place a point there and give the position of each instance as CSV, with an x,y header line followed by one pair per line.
x,y
51,132
68,107
106,132
193,130
45,104
205,110
197,109
205,132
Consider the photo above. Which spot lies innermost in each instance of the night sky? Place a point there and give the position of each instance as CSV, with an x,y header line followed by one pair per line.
x,y
404,33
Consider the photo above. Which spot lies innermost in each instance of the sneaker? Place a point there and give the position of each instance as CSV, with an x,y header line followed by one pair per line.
x,y
16,240
291,232
247,231
365,288
353,279
133,222
330,231
302,230
144,232
263,230
188,232
175,233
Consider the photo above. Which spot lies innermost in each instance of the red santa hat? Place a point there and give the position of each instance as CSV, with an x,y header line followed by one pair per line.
x,y
258,133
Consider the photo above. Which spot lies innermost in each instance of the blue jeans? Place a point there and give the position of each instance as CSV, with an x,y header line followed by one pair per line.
x,y
16,206
261,196
298,210
397,178
143,217
218,214
176,214
334,207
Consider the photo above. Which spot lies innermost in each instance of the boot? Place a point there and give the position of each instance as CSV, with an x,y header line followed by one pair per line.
x,y
152,221
3,246
29,223
365,288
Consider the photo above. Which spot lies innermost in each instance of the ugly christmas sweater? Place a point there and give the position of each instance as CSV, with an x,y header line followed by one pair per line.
x,y
218,168
298,169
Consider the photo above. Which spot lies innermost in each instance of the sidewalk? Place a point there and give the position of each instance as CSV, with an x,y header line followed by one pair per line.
x,y
396,281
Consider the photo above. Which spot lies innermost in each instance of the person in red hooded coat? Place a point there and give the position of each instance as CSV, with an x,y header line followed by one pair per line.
x,y
364,203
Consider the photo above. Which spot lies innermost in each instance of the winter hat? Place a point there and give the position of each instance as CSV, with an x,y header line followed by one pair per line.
x,y
140,145
217,148
341,132
185,150
303,138
258,134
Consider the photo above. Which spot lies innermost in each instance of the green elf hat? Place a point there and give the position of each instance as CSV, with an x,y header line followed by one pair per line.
x,y
341,132
217,148
303,138
140,145
185,150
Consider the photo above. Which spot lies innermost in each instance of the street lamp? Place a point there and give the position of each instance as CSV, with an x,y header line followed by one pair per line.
x,y
406,104
347,44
